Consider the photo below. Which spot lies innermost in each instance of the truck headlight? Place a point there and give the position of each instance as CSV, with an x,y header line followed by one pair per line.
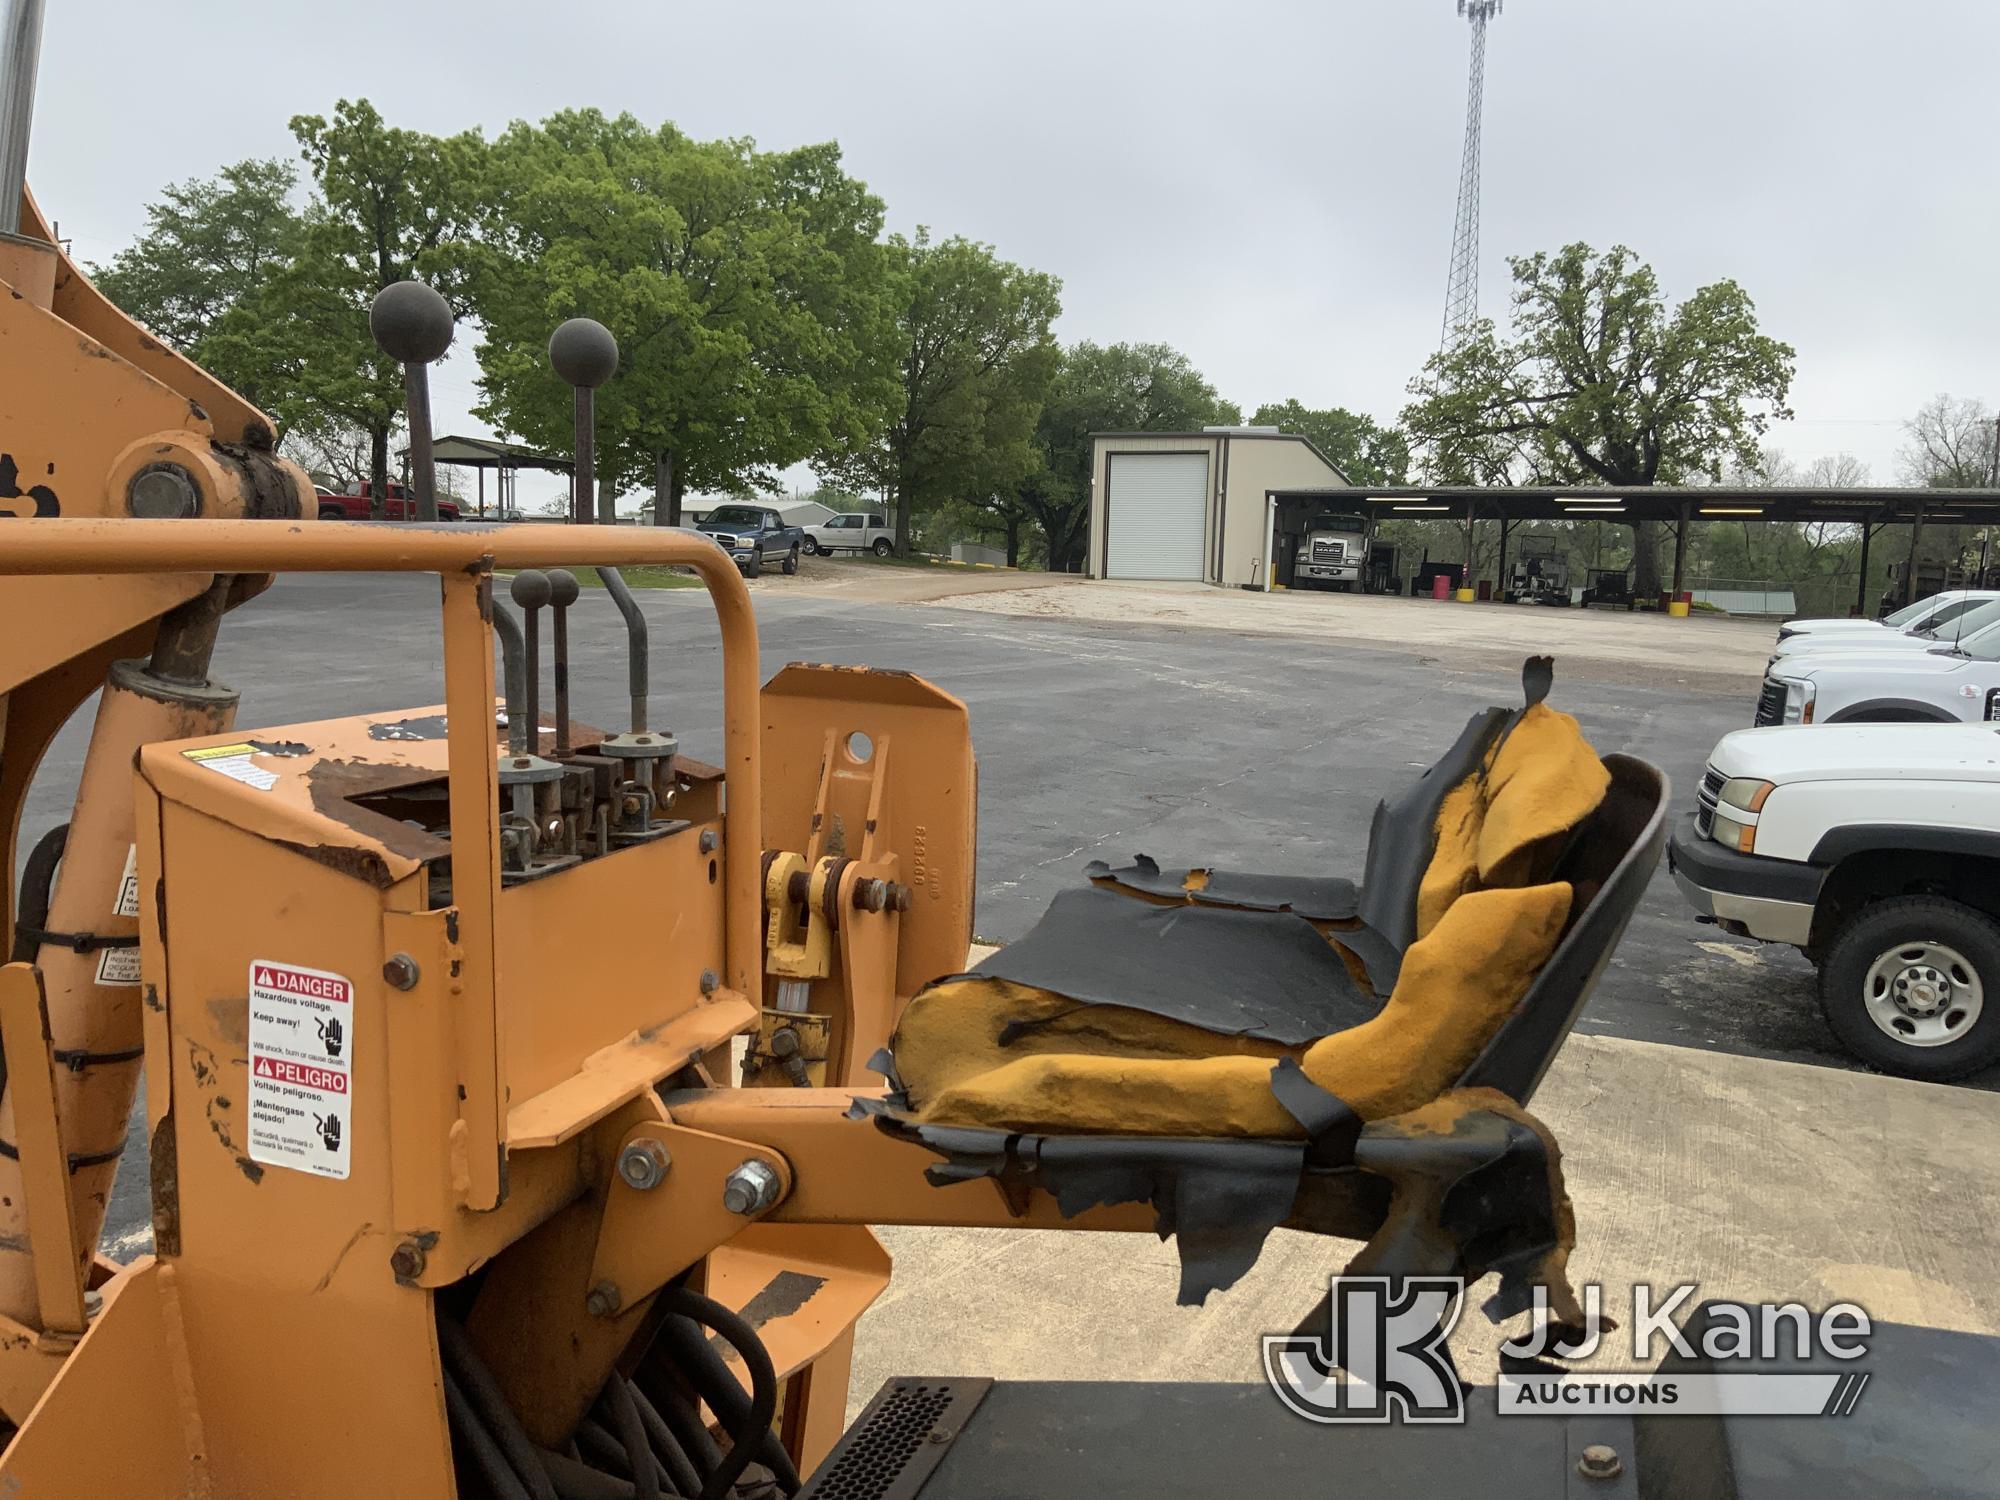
x,y
1731,834
1746,793
1799,695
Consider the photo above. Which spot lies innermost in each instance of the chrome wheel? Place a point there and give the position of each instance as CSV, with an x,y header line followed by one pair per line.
x,y
1923,994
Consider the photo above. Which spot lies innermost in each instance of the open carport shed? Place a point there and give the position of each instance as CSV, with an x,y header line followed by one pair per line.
x,y
1675,506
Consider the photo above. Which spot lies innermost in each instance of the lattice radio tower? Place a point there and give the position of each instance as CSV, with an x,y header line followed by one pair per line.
x,y
1461,300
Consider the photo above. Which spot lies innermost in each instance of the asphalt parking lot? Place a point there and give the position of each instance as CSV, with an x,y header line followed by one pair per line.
x,y
1096,739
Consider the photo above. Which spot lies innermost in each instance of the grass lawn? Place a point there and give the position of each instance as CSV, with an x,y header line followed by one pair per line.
x,y
641,578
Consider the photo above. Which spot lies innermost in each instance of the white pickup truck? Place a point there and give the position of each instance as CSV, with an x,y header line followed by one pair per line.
x,y
1950,681
1925,615
852,531
1875,850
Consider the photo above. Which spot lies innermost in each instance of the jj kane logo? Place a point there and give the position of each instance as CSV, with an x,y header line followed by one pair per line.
x,y
1383,1357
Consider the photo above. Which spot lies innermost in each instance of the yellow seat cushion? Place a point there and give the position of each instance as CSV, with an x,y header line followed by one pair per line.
x,y
1112,1070
1504,825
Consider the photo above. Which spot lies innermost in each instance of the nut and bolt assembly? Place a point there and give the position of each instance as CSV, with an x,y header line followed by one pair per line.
x,y
750,1189
644,1164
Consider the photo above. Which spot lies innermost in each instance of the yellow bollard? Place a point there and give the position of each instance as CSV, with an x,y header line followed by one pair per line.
x,y
1677,608
1465,596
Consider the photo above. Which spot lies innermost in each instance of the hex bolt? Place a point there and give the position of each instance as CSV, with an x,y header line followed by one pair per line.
x,y
402,972
750,1189
604,1300
710,981
643,1164
93,1302
407,1260
1600,1461
871,895
708,841
899,897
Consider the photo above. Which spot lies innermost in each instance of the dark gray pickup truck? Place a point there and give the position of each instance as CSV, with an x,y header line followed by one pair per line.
x,y
754,535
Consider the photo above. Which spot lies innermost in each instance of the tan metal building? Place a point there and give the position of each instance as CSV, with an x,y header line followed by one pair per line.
x,y
1215,506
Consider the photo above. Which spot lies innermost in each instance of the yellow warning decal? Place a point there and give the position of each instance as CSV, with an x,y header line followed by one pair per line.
x,y
217,752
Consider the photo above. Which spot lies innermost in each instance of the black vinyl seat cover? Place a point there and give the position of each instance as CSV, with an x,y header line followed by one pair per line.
x,y
1317,898
1221,1198
1099,948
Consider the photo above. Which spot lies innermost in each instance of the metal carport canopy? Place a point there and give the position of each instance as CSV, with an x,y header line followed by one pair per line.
x,y
1673,503
1869,508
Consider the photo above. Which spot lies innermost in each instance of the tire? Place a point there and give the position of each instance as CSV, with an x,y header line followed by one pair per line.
x,y
331,513
753,565
1912,986
883,547
820,549
791,562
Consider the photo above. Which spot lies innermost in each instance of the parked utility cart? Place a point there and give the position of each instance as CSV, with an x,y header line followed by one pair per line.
x,y
1875,850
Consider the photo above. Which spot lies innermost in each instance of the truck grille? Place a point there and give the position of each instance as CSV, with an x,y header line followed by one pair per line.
x,y
1771,704
1706,796
1324,551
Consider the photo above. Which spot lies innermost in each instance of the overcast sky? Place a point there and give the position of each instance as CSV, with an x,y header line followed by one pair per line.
x,y
1268,187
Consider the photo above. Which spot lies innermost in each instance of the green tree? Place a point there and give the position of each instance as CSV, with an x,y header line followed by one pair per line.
x,y
209,245
1599,382
390,204
976,357
748,293
1102,388
1360,447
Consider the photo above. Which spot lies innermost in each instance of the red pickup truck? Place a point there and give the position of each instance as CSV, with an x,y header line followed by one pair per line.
x,y
354,505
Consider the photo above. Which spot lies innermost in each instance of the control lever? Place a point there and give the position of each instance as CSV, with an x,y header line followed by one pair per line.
x,y
535,835
638,658
563,591
584,355
511,689
412,324
531,591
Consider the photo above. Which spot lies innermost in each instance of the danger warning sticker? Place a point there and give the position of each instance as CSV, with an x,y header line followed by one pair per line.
x,y
301,1093
234,762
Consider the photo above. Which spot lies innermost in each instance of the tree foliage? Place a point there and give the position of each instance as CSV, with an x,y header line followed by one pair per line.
x,y
209,245
747,290
1360,447
1100,388
1599,382
975,360
389,204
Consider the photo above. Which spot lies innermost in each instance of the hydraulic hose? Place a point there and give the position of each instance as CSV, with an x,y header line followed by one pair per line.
x,y
483,1395
38,882
631,1431
666,1447
481,1445
744,1435
718,1386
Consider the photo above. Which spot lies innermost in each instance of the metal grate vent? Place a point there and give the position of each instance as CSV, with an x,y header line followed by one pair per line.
x,y
895,1444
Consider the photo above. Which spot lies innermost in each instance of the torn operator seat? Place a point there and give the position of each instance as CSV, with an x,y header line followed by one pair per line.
x,y
1225,1063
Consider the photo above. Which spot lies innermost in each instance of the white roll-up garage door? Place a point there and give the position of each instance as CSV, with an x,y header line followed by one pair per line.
x,y
1155,504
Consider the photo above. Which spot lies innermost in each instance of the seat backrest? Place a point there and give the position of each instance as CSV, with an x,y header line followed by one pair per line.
x,y
1608,862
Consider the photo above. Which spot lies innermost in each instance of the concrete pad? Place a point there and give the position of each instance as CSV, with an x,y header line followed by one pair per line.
x,y
1699,650
1758,1179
